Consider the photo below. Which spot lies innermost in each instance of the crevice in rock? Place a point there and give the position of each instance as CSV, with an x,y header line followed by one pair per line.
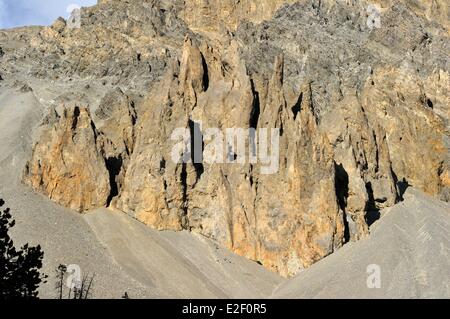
x,y
162,166
133,115
426,101
342,189
205,74
297,107
197,147
114,166
183,178
341,183
256,108
76,115
377,152
184,188
94,129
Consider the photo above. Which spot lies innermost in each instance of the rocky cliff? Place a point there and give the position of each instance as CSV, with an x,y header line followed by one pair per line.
x,y
357,90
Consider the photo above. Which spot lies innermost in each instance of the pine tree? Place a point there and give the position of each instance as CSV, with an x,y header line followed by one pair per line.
x,y
19,269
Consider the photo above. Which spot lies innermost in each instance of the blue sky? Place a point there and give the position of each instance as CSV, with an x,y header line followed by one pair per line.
x,y
14,13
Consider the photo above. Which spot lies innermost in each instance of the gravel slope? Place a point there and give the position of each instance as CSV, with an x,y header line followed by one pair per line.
x,y
410,244
179,264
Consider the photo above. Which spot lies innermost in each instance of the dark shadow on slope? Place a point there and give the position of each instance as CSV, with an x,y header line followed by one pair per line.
x,y
373,213
402,187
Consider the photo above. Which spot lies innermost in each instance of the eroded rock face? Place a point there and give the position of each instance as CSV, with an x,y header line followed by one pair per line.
x,y
210,15
115,119
66,164
362,111
234,203
415,134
